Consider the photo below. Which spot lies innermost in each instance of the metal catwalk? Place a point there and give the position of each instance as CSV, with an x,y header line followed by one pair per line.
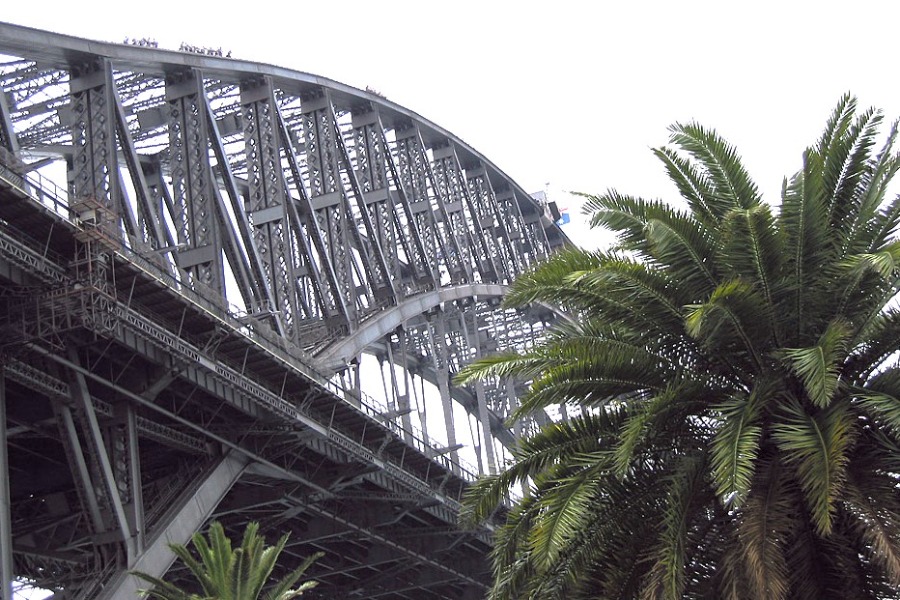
x,y
230,290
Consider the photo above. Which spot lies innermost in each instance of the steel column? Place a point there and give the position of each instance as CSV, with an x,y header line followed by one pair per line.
x,y
317,282
417,178
95,168
465,219
149,227
265,203
330,206
80,467
378,174
194,196
136,504
437,338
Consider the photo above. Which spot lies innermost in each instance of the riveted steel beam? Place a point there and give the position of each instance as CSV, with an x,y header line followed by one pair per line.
x,y
94,164
461,215
192,182
317,281
265,204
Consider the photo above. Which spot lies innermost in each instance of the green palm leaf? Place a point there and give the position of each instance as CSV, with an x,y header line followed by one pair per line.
x,y
817,448
764,525
804,220
735,447
563,508
733,186
753,249
694,186
819,366
878,527
734,309
686,487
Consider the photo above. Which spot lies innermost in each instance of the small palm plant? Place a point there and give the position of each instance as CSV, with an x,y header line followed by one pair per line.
x,y
224,573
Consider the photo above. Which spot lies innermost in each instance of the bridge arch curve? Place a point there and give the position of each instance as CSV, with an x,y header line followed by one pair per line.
x,y
377,328
192,244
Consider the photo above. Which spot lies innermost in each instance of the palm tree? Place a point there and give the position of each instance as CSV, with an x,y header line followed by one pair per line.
x,y
223,573
733,368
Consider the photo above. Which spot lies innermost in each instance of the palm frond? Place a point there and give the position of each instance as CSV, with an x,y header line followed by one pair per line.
x,y
549,281
884,225
650,417
733,186
818,367
584,435
880,399
734,307
735,447
646,287
686,487
507,364
686,250
817,448
879,528
804,221
594,380
624,215
862,236
845,166
694,186
753,249
876,341
285,589
563,511
764,523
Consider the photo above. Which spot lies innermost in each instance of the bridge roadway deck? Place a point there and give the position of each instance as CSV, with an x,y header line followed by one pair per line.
x,y
138,409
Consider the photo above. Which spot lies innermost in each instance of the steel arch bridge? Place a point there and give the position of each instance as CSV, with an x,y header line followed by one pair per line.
x,y
196,253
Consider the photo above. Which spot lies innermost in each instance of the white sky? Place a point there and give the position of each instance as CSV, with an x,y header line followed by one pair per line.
x,y
567,93
570,94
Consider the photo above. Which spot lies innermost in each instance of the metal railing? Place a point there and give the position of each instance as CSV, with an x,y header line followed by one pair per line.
x,y
39,188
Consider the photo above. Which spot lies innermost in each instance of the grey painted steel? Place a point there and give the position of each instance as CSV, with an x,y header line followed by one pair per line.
x,y
265,205
8,139
133,475
197,508
94,158
76,456
390,319
101,457
191,172
234,237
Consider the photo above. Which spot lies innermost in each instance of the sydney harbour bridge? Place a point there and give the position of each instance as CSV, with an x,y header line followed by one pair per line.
x,y
234,291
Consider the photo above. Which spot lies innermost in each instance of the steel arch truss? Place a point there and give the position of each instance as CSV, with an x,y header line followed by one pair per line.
x,y
204,237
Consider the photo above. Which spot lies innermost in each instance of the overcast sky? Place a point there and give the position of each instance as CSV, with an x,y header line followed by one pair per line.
x,y
570,94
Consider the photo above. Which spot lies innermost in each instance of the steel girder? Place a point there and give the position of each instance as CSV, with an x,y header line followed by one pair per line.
x,y
262,217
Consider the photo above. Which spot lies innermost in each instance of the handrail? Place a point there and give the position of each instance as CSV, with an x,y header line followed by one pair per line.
x,y
49,195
